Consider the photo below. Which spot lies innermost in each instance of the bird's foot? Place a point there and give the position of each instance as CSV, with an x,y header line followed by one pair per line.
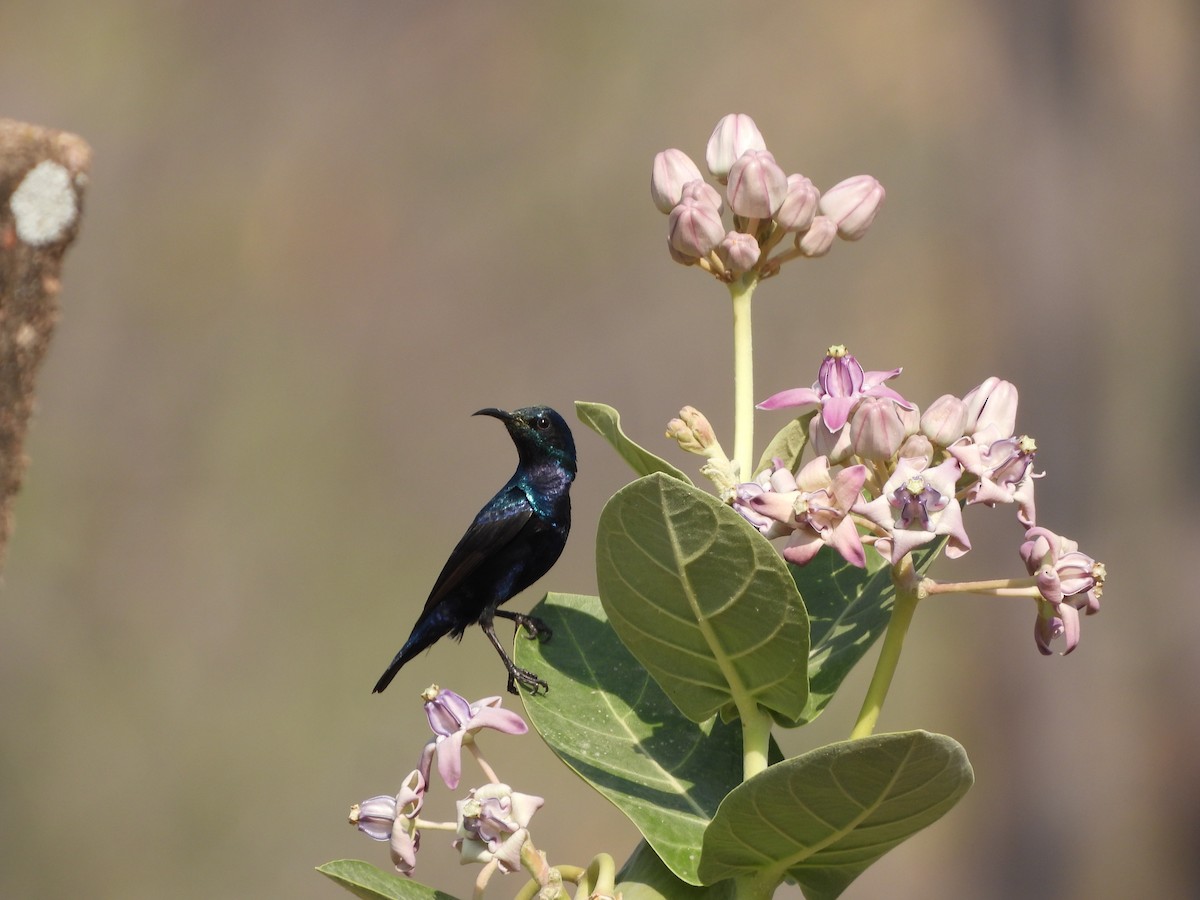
x,y
534,627
526,679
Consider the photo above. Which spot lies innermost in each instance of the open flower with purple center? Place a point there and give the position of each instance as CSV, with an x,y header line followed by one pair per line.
x,y
1004,470
841,383
1068,580
493,825
454,720
917,505
394,819
817,510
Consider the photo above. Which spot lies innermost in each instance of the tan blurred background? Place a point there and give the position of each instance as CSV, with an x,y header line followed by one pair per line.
x,y
319,236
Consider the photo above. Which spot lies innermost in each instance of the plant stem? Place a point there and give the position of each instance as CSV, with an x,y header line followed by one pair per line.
x,y
907,596
756,739
743,374
756,887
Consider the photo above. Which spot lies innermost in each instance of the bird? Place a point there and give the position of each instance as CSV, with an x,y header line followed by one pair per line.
x,y
515,539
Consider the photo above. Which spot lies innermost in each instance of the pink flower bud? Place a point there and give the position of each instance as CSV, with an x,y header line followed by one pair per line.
x,y
704,192
799,206
739,252
877,429
694,228
757,186
682,258
945,421
819,237
991,410
834,445
733,136
672,170
852,204
916,446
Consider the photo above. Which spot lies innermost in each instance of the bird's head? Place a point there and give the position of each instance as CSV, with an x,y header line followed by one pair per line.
x,y
540,434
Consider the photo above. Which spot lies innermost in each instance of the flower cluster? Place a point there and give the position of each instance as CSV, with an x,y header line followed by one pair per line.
x,y
766,206
889,476
492,823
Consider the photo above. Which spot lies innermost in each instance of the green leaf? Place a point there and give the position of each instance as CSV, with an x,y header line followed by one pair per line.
x,y
645,877
788,445
606,422
703,601
823,817
848,610
366,881
607,719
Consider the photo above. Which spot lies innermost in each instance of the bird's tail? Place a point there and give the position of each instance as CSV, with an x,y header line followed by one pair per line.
x,y
425,634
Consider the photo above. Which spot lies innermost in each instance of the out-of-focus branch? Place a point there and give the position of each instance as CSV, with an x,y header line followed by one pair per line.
x,y
43,174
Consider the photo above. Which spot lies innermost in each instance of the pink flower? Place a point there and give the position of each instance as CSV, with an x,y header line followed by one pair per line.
x,y
394,819
1005,472
1068,580
841,383
454,720
917,505
817,509
493,825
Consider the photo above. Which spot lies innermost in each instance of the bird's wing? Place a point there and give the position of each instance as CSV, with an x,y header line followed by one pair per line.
x,y
497,524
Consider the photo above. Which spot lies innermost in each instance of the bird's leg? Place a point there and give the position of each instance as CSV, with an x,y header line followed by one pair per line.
x,y
515,672
535,627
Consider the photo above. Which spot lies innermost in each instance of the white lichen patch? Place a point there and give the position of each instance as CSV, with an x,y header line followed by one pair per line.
x,y
44,205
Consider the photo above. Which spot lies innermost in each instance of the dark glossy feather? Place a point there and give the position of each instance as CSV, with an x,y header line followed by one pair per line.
x,y
514,540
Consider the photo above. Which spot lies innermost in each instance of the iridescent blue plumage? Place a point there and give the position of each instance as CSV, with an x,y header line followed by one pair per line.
x,y
513,542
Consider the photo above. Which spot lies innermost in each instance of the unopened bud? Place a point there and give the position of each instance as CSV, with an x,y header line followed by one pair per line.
x,y
945,420
695,228
819,237
693,431
757,186
877,428
852,204
739,252
703,192
916,446
991,410
734,135
672,170
799,206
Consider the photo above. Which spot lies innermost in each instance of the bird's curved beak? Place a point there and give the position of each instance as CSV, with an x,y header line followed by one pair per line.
x,y
494,413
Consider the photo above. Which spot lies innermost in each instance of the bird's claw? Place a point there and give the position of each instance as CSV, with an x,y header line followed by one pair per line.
x,y
527,679
536,629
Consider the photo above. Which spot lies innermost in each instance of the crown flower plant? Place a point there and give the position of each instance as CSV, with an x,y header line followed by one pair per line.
x,y
725,613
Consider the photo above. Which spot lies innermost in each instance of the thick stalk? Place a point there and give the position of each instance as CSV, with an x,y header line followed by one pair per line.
x,y
907,596
756,739
743,374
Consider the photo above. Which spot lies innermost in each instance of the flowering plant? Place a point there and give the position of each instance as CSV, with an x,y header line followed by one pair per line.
x,y
722,615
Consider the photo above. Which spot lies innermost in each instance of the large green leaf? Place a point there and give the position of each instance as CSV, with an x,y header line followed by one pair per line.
x,y
366,881
823,817
848,610
607,719
606,422
645,877
703,601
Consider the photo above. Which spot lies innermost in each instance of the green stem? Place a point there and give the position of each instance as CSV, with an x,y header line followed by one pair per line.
x,y
756,887
907,596
743,374
756,739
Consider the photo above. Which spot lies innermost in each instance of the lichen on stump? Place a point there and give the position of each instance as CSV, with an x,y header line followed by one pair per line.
x,y
43,174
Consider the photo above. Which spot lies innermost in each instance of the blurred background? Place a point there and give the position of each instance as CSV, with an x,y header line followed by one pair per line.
x,y
319,236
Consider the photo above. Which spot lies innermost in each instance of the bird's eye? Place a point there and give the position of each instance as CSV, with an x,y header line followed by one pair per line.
x,y
542,423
